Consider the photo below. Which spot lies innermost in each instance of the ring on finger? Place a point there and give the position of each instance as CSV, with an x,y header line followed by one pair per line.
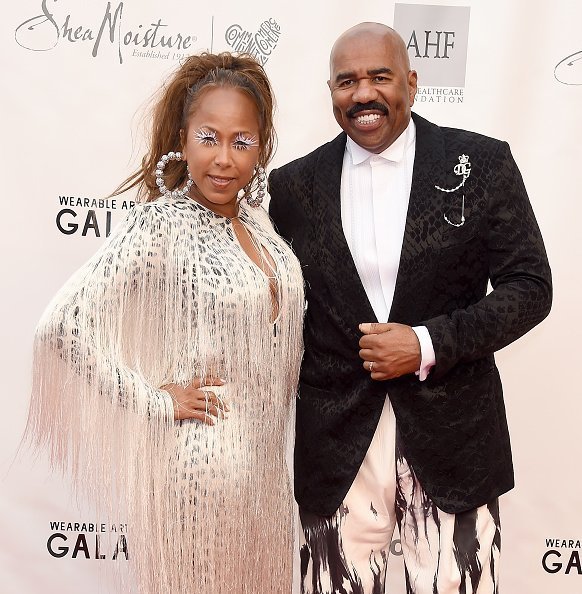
x,y
371,366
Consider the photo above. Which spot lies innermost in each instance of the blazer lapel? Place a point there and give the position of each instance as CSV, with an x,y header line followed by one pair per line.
x,y
420,247
422,234
333,254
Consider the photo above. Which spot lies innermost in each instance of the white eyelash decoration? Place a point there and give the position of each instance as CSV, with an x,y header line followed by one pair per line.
x,y
207,137
245,142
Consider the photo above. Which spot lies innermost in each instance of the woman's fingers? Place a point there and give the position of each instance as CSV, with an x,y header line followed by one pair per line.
x,y
203,417
200,382
216,400
206,401
195,402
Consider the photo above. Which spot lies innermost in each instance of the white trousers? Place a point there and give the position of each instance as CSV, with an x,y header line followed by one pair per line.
x,y
347,553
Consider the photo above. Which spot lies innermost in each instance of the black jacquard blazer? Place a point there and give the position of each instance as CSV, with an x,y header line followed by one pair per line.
x,y
452,427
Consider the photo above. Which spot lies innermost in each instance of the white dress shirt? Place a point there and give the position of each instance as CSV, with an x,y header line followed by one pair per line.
x,y
375,189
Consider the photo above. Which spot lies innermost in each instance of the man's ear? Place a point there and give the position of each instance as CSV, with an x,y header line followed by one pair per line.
x,y
412,85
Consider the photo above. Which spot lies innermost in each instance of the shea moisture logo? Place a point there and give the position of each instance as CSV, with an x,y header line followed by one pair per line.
x,y
260,45
47,30
87,540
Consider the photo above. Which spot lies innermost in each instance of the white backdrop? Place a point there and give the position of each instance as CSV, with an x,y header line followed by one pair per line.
x,y
76,78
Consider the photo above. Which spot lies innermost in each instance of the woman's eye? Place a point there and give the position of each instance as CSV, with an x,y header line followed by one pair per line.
x,y
206,137
244,143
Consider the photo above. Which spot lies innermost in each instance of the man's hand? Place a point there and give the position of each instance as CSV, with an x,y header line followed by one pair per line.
x,y
391,350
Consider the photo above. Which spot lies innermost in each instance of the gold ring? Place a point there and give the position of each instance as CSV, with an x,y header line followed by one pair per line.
x,y
371,366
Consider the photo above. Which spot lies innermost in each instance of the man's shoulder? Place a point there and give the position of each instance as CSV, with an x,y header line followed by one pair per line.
x,y
469,136
454,136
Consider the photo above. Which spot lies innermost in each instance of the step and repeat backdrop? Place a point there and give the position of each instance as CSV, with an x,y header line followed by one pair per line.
x,y
77,79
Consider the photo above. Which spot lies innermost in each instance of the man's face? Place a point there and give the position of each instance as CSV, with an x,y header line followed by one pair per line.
x,y
371,90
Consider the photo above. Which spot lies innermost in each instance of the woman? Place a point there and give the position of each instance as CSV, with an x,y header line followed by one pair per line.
x,y
165,367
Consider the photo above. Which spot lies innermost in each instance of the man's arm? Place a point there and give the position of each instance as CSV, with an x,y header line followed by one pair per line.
x,y
521,296
519,273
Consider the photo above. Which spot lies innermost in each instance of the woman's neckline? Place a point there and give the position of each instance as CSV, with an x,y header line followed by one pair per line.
x,y
187,200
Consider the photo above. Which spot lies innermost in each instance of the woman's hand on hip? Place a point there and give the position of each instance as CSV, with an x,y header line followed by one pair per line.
x,y
196,401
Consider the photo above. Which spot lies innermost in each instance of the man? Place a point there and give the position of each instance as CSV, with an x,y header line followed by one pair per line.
x,y
401,221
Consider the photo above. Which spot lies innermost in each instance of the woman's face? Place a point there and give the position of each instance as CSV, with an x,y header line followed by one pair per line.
x,y
221,146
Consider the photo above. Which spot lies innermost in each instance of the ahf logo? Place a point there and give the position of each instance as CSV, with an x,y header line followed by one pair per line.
x,y
436,44
437,39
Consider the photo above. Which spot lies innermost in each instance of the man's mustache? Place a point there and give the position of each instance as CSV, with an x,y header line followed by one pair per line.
x,y
371,105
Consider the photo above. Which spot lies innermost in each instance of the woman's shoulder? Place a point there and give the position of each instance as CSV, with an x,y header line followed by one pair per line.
x,y
164,209
164,206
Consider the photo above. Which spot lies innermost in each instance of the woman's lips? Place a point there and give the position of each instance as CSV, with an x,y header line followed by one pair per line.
x,y
220,182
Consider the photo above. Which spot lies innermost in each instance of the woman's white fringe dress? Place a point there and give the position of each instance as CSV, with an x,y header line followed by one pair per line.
x,y
171,296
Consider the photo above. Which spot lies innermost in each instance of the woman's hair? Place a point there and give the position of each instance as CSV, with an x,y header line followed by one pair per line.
x,y
178,99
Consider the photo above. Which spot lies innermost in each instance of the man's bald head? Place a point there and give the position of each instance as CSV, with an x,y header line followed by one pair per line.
x,y
371,32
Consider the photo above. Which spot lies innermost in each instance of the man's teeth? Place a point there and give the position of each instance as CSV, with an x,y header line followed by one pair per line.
x,y
368,118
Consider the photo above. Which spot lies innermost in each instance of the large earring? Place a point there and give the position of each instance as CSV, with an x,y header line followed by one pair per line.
x,y
161,164
256,201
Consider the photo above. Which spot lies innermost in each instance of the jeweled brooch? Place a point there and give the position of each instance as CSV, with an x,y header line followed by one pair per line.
x,y
462,168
